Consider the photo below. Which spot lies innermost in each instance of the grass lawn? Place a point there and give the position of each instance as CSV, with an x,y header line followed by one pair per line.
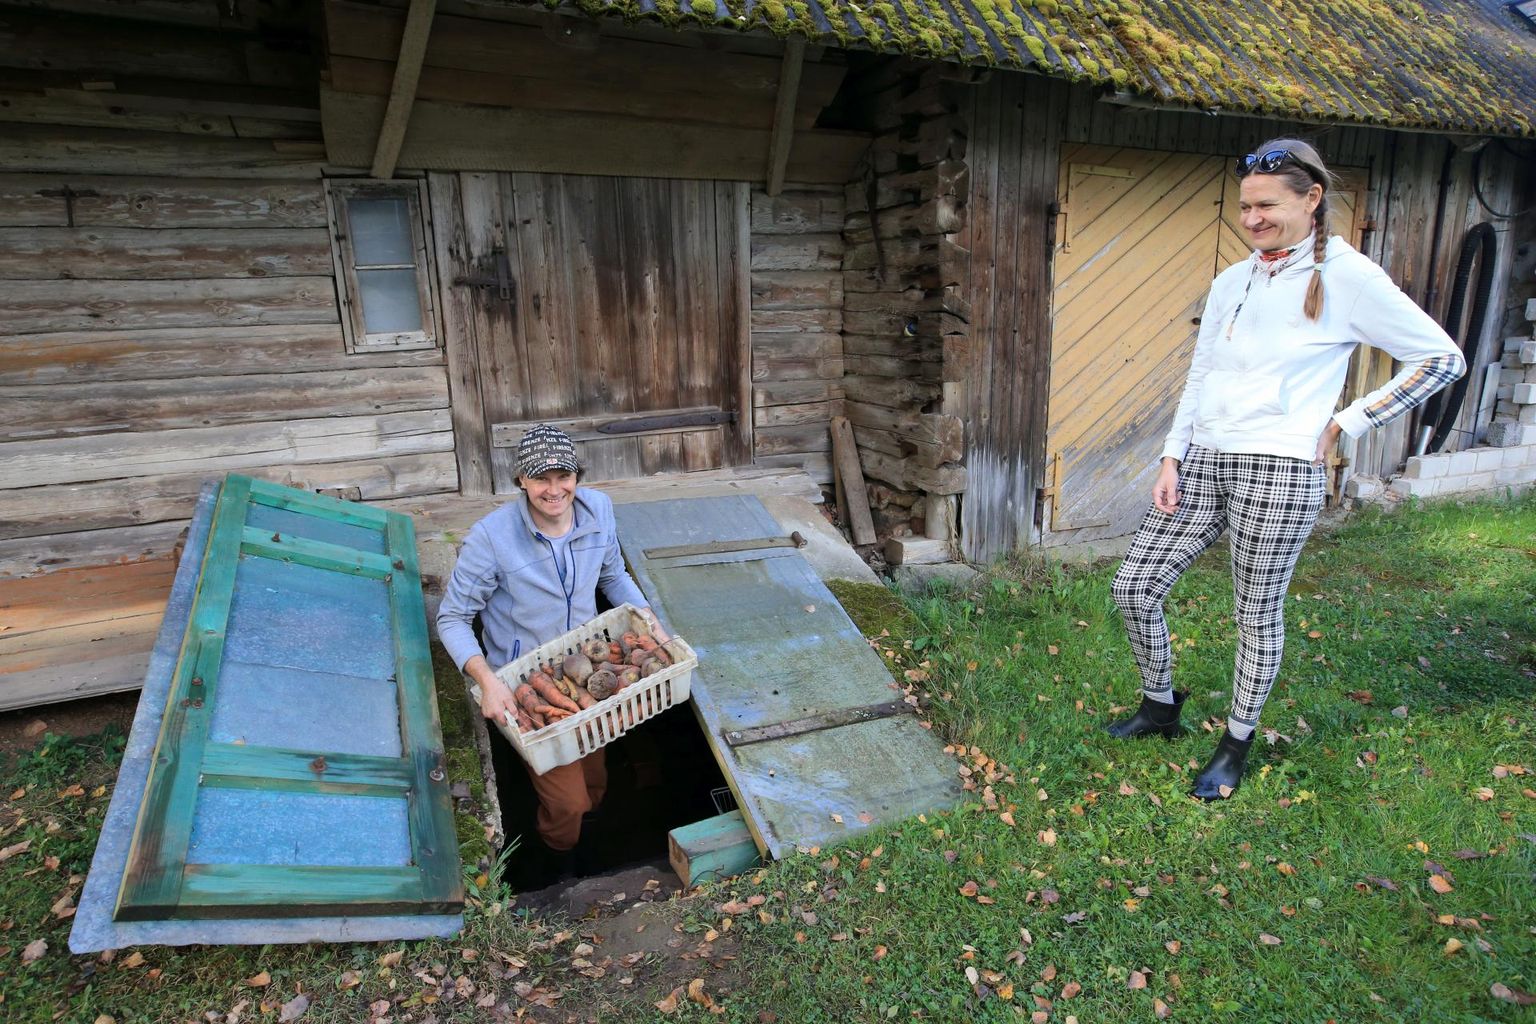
x,y
1378,863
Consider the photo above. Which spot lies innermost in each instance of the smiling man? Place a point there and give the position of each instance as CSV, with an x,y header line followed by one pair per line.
x,y
531,571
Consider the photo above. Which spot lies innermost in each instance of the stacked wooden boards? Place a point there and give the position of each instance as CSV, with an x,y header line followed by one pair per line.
x,y
286,761
808,727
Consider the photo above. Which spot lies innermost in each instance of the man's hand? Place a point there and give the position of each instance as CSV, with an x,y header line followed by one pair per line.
x,y
496,701
1326,442
657,629
1165,491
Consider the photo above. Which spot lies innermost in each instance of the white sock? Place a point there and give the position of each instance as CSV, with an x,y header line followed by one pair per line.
x,y
1238,730
1161,696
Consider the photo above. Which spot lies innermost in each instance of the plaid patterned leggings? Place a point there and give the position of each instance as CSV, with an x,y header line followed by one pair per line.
x,y
1270,504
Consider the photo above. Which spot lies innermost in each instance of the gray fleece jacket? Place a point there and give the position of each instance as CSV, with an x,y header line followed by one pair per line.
x,y
507,574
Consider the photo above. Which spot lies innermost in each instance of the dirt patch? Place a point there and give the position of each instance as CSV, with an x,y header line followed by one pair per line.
x,y
24,729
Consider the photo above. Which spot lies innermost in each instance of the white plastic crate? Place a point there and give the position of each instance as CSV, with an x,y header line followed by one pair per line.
x,y
573,738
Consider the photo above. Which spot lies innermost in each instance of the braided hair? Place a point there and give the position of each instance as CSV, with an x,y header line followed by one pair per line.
x,y
1300,173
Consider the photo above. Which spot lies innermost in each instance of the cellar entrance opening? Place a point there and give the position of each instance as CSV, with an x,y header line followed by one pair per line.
x,y
661,775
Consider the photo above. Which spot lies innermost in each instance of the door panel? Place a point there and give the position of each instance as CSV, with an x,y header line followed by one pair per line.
x,y
606,306
1132,266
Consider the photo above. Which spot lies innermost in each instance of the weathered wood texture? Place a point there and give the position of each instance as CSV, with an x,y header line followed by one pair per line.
x,y
904,321
167,313
797,317
493,63
625,297
1135,244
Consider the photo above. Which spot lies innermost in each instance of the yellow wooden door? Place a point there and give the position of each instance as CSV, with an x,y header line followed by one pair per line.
x,y
1136,248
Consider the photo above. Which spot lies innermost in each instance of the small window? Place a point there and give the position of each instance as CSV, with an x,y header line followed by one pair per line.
x,y
383,264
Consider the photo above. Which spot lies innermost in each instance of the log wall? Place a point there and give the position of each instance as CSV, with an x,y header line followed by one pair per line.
x,y
167,314
905,319
798,359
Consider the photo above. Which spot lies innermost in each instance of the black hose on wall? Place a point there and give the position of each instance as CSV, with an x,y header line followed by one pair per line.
x,y
1441,411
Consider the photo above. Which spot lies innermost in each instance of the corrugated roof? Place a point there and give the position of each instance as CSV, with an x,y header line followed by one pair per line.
x,y
1467,66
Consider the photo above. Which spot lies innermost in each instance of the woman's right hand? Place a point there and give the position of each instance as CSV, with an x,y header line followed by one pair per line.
x,y
1165,491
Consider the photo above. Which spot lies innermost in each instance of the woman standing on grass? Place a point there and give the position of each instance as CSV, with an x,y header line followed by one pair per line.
x,y
1252,430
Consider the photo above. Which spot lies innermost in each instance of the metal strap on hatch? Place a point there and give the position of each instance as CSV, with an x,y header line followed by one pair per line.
x,y
721,547
815,723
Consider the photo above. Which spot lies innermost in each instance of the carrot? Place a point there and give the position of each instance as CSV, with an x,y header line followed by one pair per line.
x,y
646,642
524,723
546,688
584,697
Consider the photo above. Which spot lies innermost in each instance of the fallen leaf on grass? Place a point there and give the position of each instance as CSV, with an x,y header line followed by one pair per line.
x,y
1484,793
1359,696
1075,917
1126,789
294,1008
698,995
387,960
348,979
1006,818
75,790
1161,1009
264,979
105,1018
7,852
132,960
1440,885
1070,990
880,952
1047,837
1285,869
1136,980
1452,945
1269,940
1499,990
1385,883
969,889
34,951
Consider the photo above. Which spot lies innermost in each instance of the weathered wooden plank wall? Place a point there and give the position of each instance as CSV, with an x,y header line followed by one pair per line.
x,y
167,314
797,319
1015,136
496,94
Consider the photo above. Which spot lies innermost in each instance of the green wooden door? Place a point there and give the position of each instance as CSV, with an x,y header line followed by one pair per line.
x,y
299,769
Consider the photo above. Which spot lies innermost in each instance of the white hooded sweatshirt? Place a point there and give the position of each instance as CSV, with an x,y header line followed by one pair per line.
x,y
1265,379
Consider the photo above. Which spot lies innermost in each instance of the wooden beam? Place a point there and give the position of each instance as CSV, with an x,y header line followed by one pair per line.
x,y
783,114
845,460
402,94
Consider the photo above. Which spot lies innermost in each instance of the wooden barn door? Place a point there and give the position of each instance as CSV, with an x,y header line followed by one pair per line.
x,y
614,308
1136,248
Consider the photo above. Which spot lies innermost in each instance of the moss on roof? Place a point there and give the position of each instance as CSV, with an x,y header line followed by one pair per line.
x,y
1467,67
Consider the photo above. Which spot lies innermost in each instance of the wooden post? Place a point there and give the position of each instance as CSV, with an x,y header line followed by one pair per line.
x,y
845,466
784,114
402,93
939,517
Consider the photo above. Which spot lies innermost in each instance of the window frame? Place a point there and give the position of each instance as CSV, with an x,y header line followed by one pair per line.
x,y
354,328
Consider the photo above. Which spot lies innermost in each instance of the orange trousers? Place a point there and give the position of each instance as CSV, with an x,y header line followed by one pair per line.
x,y
565,794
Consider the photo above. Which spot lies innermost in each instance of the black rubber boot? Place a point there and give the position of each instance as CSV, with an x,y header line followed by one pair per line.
x,y
1153,718
1225,770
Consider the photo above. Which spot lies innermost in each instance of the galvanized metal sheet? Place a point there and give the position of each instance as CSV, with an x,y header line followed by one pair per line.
x,y
774,646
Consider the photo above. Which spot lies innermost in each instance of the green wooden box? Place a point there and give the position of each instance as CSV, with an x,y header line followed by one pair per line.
x,y
712,849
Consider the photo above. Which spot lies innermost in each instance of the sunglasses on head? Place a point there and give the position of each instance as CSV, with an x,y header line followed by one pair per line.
x,y
1269,163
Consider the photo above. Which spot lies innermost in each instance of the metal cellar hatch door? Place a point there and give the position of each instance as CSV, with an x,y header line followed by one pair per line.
x,y
801,714
298,769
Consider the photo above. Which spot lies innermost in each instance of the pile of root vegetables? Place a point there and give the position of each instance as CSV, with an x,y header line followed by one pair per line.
x,y
599,669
